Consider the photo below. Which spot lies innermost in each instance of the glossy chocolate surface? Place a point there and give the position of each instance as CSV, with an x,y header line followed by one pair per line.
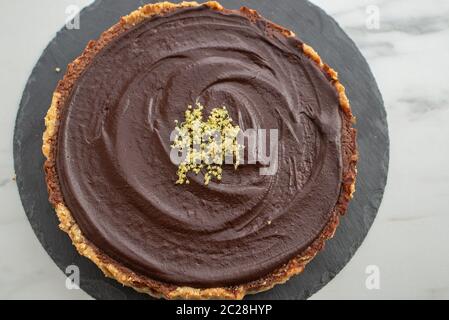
x,y
113,157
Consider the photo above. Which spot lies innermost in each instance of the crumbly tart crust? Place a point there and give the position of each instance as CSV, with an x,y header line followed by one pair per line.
x,y
158,289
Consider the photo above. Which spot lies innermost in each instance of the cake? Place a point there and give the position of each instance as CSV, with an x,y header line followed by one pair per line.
x,y
107,146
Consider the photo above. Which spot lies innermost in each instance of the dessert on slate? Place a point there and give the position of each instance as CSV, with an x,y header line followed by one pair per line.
x,y
113,185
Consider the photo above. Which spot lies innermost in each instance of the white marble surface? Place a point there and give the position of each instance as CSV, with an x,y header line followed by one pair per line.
x,y
409,240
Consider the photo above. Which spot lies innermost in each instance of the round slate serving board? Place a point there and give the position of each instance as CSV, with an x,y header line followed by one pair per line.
x,y
310,24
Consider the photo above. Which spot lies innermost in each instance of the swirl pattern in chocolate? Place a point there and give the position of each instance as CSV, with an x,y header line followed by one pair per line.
x,y
113,157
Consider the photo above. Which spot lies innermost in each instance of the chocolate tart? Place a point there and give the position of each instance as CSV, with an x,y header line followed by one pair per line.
x,y
107,145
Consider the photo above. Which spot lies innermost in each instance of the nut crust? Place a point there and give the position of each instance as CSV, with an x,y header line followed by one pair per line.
x,y
158,289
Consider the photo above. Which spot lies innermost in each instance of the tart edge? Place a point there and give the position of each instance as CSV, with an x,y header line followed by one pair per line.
x,y
158,289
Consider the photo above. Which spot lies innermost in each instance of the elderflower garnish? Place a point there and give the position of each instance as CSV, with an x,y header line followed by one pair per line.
x,y
206,144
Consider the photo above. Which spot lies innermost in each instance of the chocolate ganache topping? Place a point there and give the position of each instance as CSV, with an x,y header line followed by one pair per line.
x,y
113,156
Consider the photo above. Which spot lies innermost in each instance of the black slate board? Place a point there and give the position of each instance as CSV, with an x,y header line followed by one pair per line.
x,y
313,26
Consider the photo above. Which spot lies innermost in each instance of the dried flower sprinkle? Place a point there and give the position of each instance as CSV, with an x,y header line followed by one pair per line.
x,y
206,144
